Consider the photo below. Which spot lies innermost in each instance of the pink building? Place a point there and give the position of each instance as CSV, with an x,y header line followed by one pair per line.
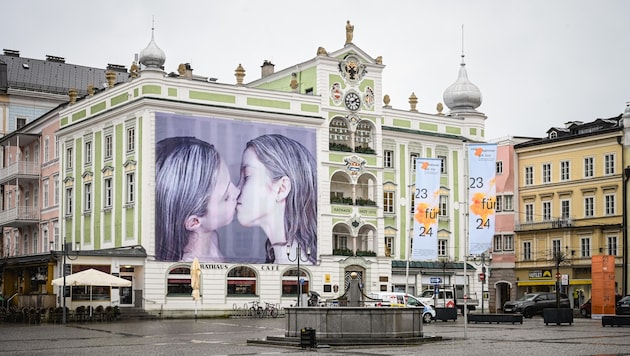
x,y
502,279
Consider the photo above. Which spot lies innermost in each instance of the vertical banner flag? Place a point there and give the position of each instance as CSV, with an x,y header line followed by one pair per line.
x,y
427,209
482,195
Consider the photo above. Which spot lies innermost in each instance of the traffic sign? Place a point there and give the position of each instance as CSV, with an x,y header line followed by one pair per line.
x,y
435,280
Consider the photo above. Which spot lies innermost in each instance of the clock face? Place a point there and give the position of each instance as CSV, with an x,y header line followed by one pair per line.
x,y
352,101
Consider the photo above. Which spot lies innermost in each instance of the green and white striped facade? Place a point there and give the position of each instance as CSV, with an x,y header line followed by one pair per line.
x,y
118,126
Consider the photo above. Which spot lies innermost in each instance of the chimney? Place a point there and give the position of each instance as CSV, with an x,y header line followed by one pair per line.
x,y
11,52
117,68
56,59
266,68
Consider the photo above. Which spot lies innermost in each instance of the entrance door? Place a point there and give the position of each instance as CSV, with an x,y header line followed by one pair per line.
x,y
126,297
503,294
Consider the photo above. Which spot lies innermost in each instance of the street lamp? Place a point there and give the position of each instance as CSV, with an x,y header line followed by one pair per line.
x,y
481,261
298,258
65,248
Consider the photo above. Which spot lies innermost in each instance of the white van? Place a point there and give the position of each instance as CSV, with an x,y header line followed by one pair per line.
x,y
398,299
445,298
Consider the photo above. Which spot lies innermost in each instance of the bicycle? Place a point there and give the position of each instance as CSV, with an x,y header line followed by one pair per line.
x,y
270,310
256,310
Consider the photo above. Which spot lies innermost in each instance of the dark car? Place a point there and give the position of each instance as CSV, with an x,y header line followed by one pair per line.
x,y
585,309
623,306
534,303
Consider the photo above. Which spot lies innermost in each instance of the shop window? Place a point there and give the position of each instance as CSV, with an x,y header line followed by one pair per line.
x,y
87,293
178,282
290,282
241,281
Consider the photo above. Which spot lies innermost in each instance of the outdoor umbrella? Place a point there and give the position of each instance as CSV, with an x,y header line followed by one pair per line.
x,y
195,281
91,277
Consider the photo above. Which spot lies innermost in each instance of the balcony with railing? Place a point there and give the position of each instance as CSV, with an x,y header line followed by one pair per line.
x,y
545,224
19,216
21,170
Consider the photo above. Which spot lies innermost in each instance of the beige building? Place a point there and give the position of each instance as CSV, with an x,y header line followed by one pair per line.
x,y
570,207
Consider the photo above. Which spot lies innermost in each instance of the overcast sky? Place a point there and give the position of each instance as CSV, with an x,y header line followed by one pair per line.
x,y
538,63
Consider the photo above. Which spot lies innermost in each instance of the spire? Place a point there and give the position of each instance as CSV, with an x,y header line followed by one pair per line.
x,y
152,56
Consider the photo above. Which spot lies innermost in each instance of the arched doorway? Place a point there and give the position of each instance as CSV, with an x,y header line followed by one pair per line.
x,y
503,291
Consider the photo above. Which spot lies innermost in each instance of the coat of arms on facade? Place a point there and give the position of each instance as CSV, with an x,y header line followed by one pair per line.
x,y
368,97
355,222
336,93
352,70
355,165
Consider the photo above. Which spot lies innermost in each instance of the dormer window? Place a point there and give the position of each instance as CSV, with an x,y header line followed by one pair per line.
x,y
553,134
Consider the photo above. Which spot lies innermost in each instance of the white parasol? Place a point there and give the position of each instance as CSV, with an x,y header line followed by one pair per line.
x,y
91,277
195,281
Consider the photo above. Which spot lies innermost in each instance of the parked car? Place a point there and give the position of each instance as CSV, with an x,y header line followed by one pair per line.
x,y
398,299
585,309
623,306
534,303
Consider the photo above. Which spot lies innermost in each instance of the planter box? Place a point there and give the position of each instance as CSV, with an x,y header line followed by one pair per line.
x,y
615,320
445,314
558,316
496,318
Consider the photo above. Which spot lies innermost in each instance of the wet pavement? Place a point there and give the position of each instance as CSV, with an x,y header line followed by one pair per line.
x,y
229,337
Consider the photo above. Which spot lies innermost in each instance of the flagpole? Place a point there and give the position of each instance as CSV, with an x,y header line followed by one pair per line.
x,y
466,227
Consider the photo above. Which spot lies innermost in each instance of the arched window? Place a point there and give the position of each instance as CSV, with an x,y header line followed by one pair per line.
x,y
178,282
241,280
290,282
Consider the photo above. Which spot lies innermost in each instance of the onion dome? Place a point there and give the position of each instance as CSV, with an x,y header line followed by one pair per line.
x,y
152,56
626,113
462,96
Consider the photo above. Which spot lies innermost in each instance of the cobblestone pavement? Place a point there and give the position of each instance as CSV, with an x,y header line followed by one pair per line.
x,y
229,337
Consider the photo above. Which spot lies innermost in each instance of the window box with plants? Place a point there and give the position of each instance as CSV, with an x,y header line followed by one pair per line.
x,y
333,146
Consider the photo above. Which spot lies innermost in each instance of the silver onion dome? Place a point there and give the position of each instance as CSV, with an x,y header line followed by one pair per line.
x,y
152,56
462,96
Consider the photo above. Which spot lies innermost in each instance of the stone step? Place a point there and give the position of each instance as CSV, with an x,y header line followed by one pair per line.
x,y
134,313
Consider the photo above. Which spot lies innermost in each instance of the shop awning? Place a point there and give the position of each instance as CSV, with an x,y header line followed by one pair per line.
x,y
552,282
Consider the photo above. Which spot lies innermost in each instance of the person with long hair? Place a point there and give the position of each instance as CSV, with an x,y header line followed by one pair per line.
x,y
279,194
194,196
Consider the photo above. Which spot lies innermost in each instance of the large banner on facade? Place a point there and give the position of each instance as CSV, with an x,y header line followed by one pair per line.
x,y
482,195
234,191
427,209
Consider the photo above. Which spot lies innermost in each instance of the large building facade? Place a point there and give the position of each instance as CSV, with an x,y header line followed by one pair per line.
x,y
32,92
571,207
363,152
